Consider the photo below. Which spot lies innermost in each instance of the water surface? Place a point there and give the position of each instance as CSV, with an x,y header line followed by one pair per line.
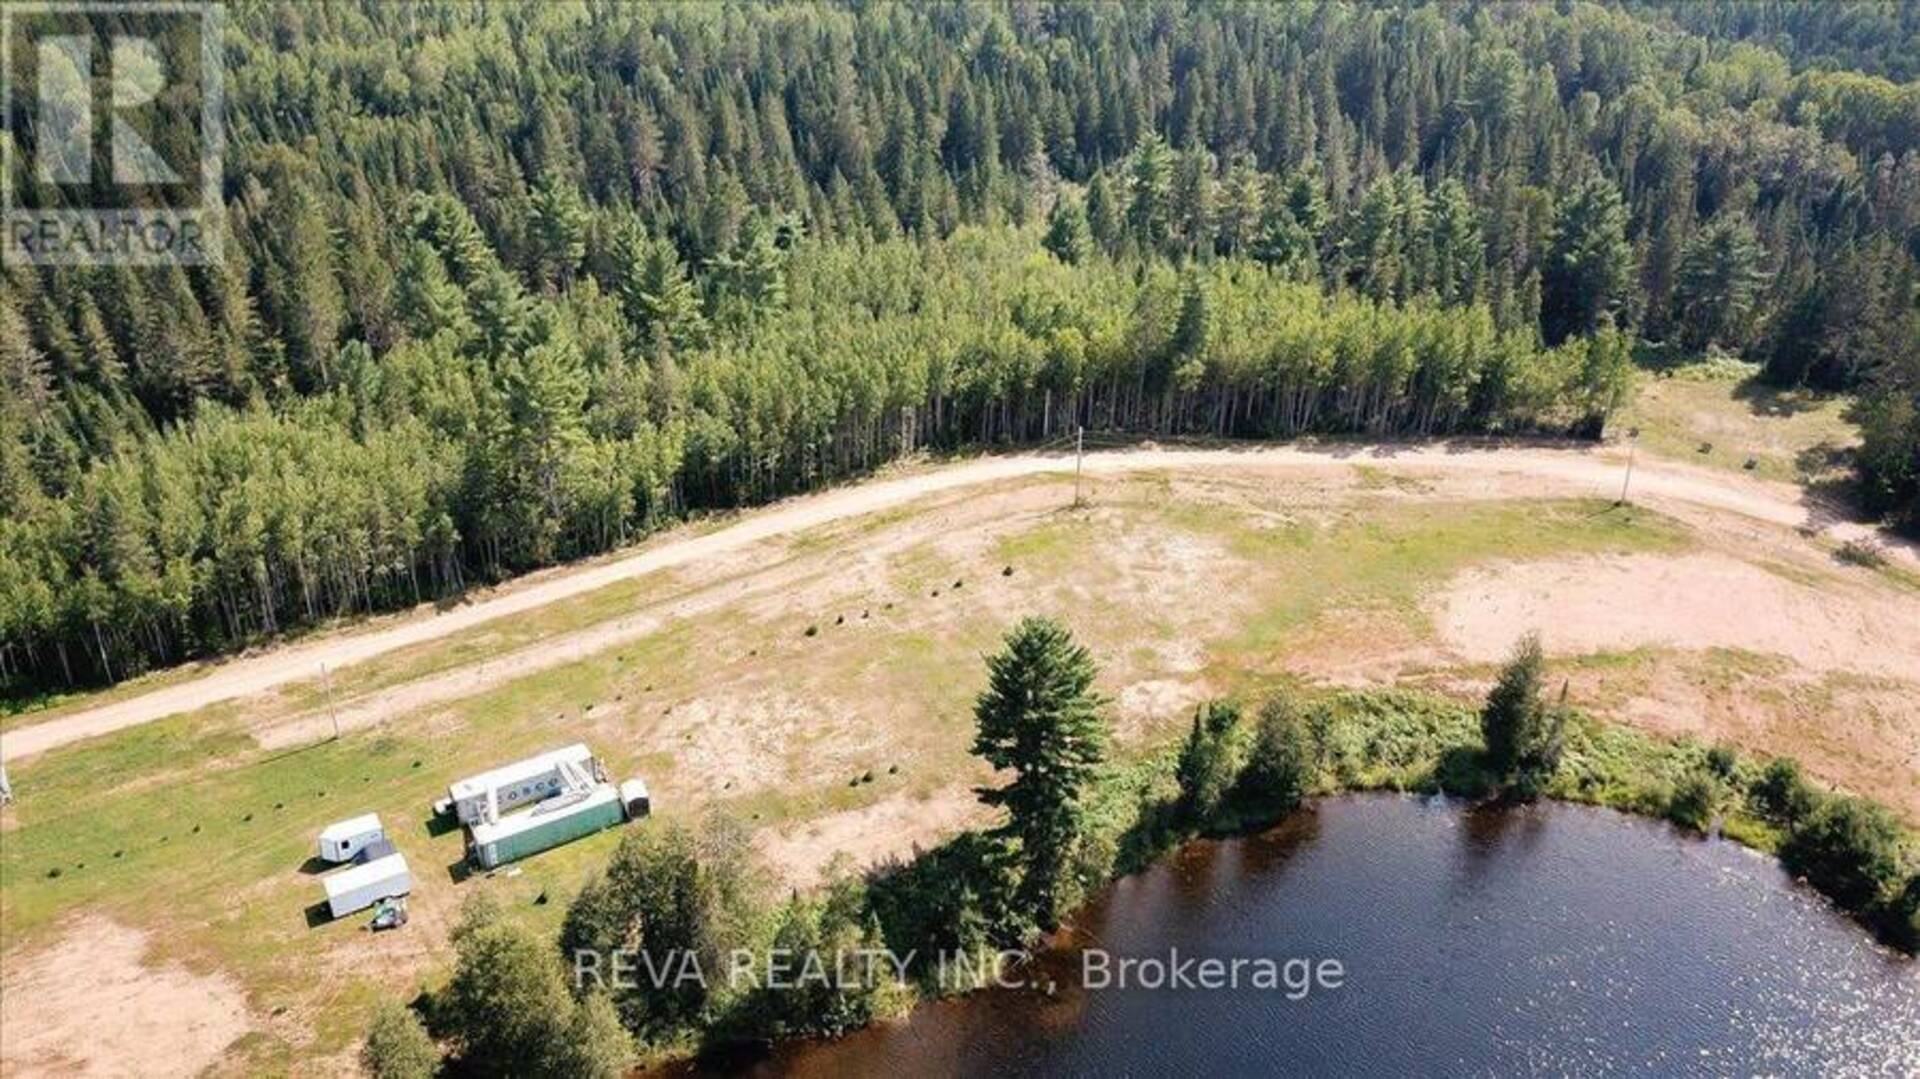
x,y
1557,939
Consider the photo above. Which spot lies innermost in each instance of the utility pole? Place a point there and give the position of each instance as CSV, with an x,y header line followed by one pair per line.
x,y
1633,443
326,683
1079,452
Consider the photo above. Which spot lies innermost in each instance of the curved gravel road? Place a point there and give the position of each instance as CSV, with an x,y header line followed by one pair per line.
x,y
1554,471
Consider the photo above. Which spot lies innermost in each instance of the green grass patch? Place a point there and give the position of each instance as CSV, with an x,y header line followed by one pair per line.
x,y
1724,422
1392,562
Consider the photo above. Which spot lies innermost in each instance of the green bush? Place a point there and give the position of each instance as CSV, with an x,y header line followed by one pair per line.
x,y
955,898
858,986
398,1046
508,1011
1849,849
593,1043
1904,916
1782,793
1695,800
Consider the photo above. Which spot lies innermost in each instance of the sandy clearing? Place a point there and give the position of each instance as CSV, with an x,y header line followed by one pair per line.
x,y
89,1005
894,827
1545,471
1620,602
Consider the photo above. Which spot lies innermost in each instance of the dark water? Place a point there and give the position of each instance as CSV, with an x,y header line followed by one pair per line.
x,y
1550,939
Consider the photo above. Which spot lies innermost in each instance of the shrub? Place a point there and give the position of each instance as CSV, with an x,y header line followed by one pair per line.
x,y
954,898
508,1010
506,1000
593,1044
1904,916
1695,799
398,1046
1782,794
1722,761
1862,552
1848,848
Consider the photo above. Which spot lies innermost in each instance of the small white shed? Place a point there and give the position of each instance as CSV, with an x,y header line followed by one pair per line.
x,y
339,842
364,885
633,795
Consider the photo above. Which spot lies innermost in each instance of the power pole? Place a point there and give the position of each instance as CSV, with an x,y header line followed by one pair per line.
x,y
1633,443
1079,453
326,683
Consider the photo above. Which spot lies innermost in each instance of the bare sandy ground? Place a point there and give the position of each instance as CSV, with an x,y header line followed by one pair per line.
x,y
1541,471
1707,600
894,828
90,1005
1826,669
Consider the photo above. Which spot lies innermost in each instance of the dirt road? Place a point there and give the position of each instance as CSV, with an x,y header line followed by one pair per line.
x,y
1548,471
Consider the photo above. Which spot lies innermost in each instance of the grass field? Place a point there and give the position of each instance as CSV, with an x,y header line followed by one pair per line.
x,y
771,685
1722,418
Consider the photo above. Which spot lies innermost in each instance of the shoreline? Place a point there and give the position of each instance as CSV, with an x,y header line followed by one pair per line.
x,y
1637,801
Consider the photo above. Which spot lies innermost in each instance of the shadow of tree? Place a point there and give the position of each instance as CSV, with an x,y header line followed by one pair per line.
x,y
1155,828
1763,399
1461,771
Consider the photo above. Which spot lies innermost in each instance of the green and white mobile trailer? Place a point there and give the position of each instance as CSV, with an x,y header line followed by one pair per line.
x,y
546,825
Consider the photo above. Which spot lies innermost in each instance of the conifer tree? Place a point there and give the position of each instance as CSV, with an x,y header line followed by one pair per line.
x,y
1040,718
1067,234
1524,733
1589,263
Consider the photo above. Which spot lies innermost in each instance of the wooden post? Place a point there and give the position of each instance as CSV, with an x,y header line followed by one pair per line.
x,y
1633,444
1079,453
326,683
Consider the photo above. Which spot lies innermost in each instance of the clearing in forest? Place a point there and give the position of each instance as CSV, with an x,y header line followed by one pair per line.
x,y
816,682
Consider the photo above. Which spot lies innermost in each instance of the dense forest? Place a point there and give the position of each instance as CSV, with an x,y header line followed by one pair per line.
x,y
508,284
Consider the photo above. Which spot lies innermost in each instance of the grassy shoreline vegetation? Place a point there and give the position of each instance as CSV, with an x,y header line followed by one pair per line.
x,y
1076,820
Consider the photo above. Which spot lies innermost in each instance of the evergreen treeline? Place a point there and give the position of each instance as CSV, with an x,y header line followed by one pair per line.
x,y
1878,37
508,283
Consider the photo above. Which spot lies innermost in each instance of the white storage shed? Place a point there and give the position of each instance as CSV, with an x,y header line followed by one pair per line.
x,y
633,795
364,885
341,841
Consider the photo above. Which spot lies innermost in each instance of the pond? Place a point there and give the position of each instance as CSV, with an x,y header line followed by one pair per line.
x,y
1548,938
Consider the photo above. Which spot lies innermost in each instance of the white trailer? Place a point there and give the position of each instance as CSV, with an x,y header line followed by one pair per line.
x,y
341,841
364,885
490,794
